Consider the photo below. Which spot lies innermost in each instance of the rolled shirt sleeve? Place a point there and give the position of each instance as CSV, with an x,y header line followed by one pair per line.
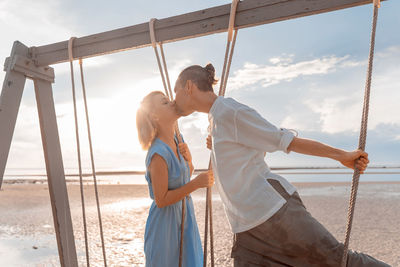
x,y
252,130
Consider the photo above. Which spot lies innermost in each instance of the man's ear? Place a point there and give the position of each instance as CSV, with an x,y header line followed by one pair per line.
x,y
189,87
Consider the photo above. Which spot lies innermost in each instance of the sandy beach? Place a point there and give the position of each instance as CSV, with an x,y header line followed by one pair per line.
x,y
27,234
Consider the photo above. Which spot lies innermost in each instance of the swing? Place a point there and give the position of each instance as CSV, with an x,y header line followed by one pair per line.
x,y
35,63
224,78
362,139
168,92
363,133
230,46
167,88
71,59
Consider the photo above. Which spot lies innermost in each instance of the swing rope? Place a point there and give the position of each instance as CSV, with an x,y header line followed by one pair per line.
x,y
168,92
363,134
71,59
166,72
230,46
93,166
70,45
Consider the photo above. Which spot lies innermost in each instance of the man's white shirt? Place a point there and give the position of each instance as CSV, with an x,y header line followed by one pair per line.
x,y
240,136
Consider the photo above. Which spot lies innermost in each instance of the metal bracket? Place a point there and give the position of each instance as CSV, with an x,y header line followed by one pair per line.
x,y
28,68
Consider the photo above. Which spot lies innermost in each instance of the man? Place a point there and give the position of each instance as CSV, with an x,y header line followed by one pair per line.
x,y
271,225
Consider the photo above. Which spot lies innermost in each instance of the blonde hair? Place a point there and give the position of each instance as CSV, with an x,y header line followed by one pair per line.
x,y
146,128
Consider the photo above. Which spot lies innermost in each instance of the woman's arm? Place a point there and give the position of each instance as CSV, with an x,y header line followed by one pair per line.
x,y
159,180
350,159
191,167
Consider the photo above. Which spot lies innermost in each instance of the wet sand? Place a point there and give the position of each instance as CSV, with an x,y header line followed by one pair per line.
x,y
27,234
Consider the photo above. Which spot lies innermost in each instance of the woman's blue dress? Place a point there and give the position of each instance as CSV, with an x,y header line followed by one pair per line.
x,y
162,234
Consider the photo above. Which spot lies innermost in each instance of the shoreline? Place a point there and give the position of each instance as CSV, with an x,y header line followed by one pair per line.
x,y
27,231
90,182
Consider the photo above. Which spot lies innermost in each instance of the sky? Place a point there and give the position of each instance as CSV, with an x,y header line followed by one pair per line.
x,y
306,74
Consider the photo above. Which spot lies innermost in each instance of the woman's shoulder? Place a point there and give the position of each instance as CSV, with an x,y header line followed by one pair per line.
x,y
158,147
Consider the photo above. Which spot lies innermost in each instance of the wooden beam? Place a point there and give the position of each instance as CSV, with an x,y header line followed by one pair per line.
x,y
55,174
203,22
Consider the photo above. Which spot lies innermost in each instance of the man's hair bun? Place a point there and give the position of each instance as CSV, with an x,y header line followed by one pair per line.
x,y
211,73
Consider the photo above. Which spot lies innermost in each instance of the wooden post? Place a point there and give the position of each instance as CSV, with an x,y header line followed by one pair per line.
x,y
10,100
55,174
19,66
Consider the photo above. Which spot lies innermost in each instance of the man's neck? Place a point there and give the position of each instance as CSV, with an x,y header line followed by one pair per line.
x,y
207,102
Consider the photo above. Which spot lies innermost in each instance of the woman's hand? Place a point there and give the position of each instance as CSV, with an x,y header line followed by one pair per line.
x,y
205,179
356,158
184,150
209,142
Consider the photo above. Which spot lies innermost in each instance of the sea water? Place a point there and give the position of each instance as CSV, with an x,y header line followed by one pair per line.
x,y
292,175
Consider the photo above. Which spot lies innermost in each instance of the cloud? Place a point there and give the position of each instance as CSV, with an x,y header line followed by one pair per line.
x,y
112,116
328,98
342,112
284,70
337,114
88,64
34,23
195,136
43,17
318,95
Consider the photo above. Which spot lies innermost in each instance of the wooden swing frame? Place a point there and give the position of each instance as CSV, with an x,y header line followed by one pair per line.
x,y
34,63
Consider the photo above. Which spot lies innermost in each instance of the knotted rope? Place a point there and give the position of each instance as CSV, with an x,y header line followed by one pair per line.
x,y
230,46
363,135
168,92
71,59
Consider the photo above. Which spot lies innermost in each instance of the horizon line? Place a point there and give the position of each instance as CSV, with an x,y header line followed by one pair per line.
x,y
141,172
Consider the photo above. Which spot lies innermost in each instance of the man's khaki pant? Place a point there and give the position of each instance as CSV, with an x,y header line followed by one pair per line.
x,y
292,237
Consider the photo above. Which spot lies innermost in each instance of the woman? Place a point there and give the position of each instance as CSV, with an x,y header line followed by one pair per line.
x,y
168,170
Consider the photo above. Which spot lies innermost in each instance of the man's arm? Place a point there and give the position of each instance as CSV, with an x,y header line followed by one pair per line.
x,y
252,130
350,159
